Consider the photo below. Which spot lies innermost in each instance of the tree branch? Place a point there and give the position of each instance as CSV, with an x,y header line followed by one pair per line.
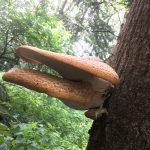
x,y
6,43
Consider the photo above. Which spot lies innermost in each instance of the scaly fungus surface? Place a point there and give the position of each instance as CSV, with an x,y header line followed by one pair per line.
x,y
83,84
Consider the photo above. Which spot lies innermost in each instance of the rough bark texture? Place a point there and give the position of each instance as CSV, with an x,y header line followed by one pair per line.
x,y
127,126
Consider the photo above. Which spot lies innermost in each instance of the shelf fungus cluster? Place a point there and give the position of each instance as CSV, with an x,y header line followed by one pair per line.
x,y
84,81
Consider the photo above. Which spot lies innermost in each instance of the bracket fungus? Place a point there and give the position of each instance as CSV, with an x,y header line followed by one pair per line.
x,y
84,81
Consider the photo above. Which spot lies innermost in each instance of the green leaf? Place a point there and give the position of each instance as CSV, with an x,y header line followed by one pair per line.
x,y
1,139
3,127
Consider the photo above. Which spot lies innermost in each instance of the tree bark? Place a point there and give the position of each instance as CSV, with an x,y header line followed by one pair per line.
x,y
127,125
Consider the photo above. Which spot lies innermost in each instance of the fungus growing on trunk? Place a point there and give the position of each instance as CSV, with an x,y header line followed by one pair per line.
x,y
83,83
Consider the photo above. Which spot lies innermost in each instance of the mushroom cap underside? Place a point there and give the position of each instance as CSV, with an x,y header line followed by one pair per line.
x,y
69,67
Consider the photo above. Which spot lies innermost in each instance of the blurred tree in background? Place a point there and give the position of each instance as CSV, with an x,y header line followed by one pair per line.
x,y
95,22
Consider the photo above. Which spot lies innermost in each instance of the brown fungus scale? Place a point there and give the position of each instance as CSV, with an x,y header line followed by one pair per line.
x,y
94,77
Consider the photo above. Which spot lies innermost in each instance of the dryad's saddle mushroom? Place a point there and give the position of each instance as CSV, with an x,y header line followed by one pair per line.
x,y
83,84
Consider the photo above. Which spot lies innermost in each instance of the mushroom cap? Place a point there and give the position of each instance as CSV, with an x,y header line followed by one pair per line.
x,y
77,95
70,67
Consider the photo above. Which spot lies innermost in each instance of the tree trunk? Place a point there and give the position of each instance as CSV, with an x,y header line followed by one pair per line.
x,y
127,125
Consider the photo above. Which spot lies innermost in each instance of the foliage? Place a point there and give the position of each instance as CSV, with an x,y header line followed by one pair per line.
x,y
35,136
95,22
32,26
5,106
126,3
